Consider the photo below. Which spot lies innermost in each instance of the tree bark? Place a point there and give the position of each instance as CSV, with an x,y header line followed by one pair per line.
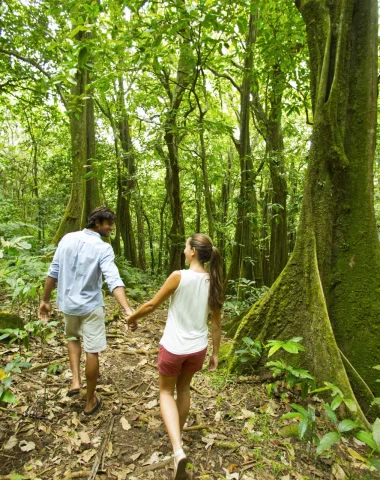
x,y
84,192
127,181
328,292
245,259
225,199
185,72
278,250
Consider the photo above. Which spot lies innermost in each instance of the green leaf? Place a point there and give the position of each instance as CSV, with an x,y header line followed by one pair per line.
x,y
336,402
327,441
292,415
302,427
16,476
8,397
291,348
274,349
367,438
248,341
347,425
244,359
331,414
351,404
295,339
89,175
376,431
299,409
375,462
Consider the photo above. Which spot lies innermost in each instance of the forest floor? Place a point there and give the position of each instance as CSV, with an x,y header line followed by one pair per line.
x,y
234,430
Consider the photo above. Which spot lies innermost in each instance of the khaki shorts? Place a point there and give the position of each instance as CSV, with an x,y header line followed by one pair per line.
x,y
91,327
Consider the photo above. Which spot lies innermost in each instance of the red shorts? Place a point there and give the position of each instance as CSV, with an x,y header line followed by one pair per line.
x,y
171,365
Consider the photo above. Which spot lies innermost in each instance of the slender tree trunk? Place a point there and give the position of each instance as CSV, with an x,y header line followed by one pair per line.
x,y
185,72
278,251
92,198
245,260
226,189
140,230
127,179
328,292
84,192
265,234
151,247
206,185
162,226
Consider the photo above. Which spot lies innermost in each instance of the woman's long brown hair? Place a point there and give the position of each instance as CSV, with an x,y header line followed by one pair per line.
x,y
208,253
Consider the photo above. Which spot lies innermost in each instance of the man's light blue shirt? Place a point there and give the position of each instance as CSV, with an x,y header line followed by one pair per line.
x,y
78,264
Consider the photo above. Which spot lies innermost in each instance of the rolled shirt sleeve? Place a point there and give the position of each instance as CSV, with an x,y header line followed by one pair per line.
x,y
53,271
110,270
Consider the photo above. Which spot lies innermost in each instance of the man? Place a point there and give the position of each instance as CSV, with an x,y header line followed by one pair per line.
x,y
78,264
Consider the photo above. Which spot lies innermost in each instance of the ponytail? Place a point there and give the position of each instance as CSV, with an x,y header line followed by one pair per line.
x,y
215,296
208,253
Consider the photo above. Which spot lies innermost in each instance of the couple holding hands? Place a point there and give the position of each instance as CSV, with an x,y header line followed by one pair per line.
x,y
78,265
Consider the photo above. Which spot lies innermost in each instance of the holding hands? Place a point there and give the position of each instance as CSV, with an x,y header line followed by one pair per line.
x,y
131,322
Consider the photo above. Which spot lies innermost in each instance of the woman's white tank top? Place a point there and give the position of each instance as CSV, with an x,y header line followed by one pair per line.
x,y
186,327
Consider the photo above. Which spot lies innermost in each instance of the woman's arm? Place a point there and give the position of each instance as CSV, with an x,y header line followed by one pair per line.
x,y
216,333
163,294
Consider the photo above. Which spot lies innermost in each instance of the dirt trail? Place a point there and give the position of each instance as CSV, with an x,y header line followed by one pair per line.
x,y
233,431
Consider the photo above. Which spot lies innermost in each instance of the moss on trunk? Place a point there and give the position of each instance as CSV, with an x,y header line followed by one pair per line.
x,y
329,290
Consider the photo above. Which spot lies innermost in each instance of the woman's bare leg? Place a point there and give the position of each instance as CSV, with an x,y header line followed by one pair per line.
x,y
183,396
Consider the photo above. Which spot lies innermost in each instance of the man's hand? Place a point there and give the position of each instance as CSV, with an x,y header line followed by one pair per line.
x,y
213,363
44,311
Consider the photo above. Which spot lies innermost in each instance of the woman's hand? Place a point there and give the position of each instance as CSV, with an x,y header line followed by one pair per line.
x,y
132,324
213,363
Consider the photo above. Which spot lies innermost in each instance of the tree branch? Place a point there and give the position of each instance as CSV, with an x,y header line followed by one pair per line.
x,y
32,62
223,75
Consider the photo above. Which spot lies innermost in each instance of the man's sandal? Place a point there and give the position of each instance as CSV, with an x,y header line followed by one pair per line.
x,y
99,403
180,465
73,392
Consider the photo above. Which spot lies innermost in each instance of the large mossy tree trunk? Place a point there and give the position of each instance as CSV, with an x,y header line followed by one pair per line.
x,y
328,292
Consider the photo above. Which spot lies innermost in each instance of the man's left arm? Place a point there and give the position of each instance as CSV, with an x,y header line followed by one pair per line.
x,y
44,310
113,280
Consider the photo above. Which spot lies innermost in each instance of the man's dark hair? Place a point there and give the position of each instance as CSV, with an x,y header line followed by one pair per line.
x,y
100,214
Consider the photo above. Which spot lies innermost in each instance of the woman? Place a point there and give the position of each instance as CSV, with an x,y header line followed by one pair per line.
x,y
194,293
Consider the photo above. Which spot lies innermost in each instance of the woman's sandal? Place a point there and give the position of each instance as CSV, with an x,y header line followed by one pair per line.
x,y
180,465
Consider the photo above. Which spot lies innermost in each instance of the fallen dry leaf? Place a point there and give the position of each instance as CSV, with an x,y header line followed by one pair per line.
x,y
88,454
247,413
218,416
125,424
153,459
151,404
27,446
12,441
338,472
84,437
